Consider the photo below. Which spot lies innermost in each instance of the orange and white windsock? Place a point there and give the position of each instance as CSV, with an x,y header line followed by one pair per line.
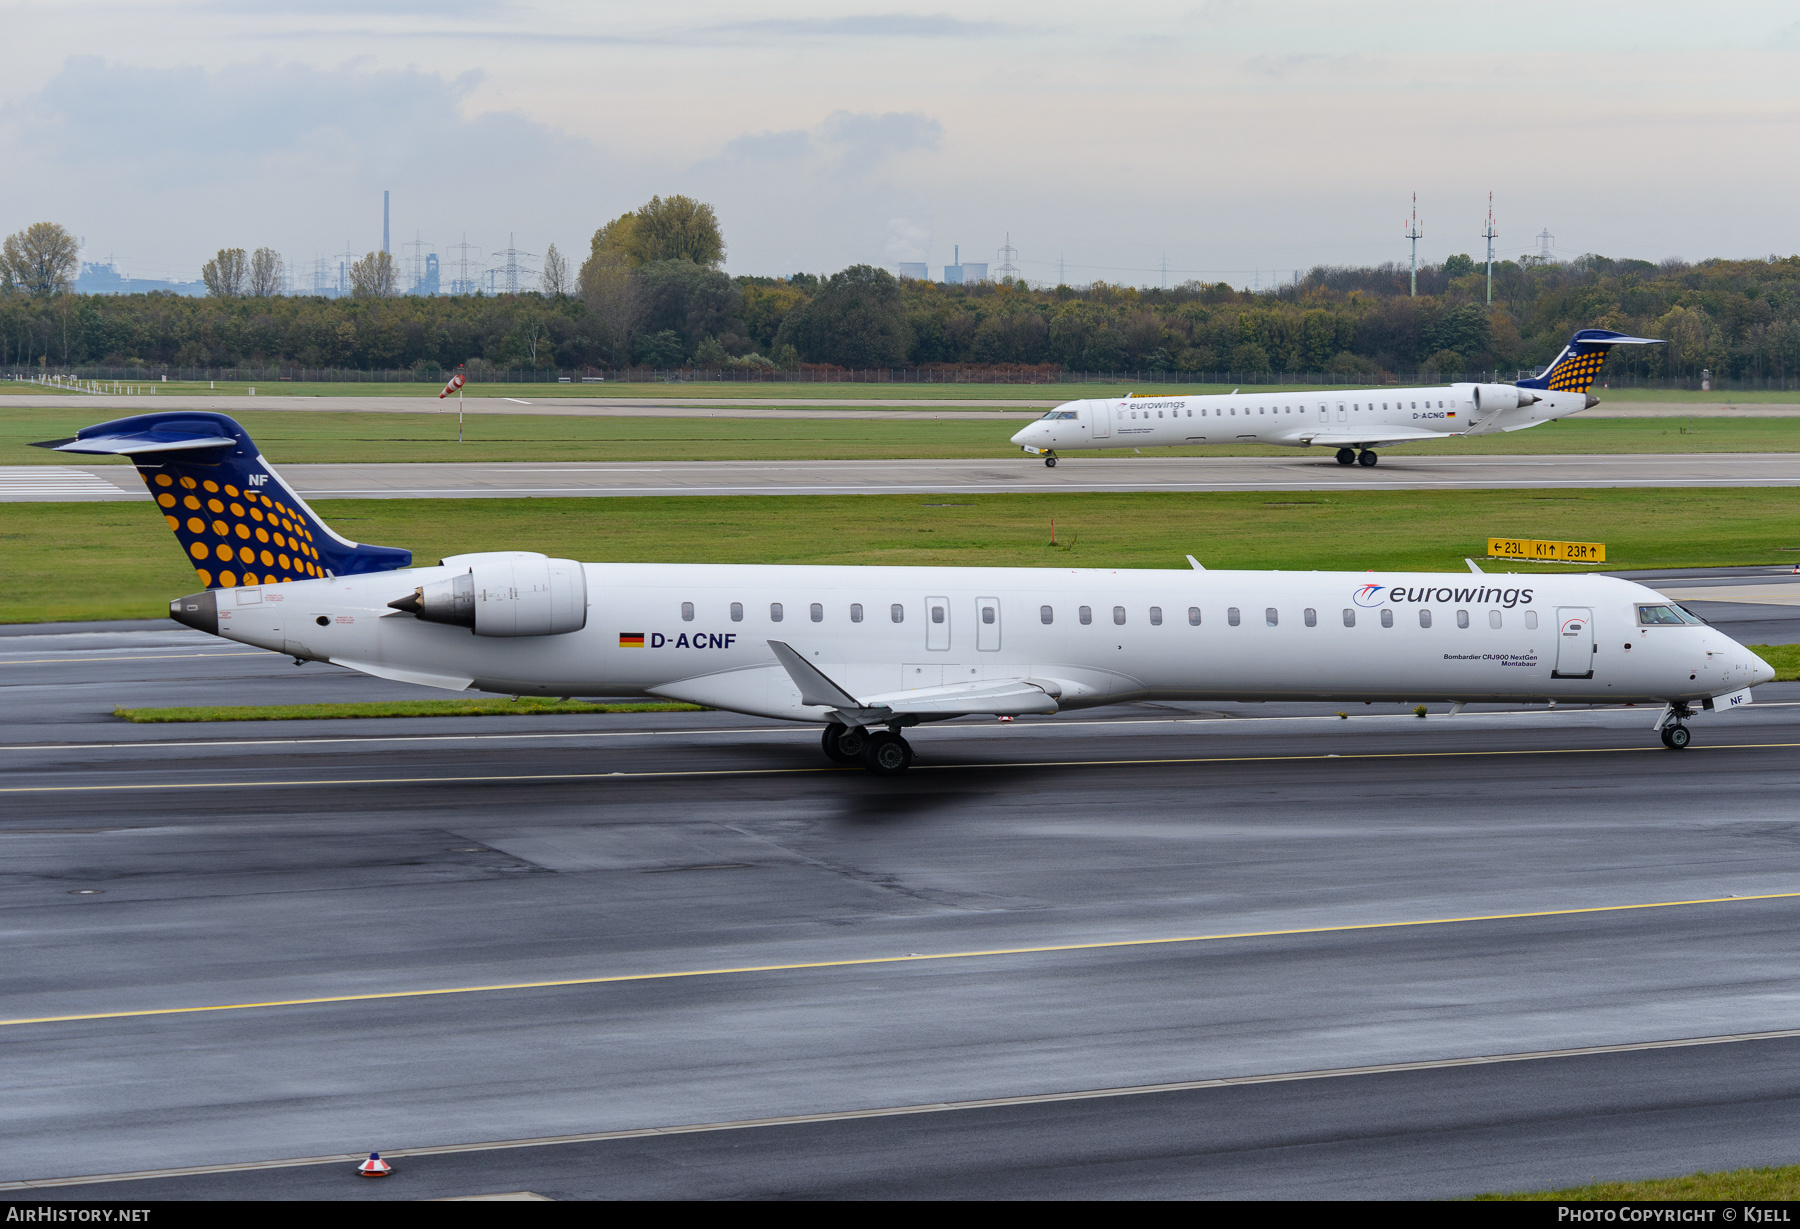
x,y
456,382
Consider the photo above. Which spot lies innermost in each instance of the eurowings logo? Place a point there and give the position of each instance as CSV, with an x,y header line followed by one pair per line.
x,y
1368,595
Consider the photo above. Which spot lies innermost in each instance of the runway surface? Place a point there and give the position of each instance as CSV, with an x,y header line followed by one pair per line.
x,y
1303,471
520,928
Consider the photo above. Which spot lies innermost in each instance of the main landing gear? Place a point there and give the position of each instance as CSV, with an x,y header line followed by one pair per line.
x,y
1349,456
882,752
1675,735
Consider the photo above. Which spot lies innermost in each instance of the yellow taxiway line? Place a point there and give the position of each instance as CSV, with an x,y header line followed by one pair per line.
x,y
862,961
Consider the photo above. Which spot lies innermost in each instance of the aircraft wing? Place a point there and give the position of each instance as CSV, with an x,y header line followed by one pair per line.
x,y
1339,438
1000,697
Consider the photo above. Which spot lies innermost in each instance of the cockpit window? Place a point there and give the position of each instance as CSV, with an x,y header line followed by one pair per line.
x,y
1060,414
1651,616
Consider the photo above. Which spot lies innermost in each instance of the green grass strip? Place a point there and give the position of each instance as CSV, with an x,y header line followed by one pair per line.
x,y
78,561
295,437
475,707
1784,657
1770,1183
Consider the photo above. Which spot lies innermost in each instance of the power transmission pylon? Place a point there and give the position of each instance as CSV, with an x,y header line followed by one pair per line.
x,y
1489,234
1007,255
1415,233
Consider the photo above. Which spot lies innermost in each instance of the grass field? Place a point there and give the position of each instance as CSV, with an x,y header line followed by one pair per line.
x,y
297,437
1781,1182
803,392
67,561
474,706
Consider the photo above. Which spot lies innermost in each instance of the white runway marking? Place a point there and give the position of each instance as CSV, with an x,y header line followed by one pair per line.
x,y
48,482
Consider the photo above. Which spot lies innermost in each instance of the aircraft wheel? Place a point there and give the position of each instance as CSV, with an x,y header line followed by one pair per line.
x,y
1676,737
843,744
1346,456
1050,460
1368,457
886,754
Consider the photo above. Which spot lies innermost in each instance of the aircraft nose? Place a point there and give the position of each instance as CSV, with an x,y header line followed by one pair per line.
x,y
1028,435
1760,670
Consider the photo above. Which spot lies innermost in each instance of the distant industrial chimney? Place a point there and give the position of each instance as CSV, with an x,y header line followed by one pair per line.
x,y
384,221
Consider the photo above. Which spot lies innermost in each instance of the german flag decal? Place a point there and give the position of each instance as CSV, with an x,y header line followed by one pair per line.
x,y
631,640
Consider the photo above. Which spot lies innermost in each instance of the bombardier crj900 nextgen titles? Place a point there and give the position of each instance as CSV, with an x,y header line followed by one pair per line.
x,y
1354,421
868,651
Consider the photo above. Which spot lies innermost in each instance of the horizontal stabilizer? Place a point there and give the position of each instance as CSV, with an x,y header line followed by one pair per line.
x,y
177,436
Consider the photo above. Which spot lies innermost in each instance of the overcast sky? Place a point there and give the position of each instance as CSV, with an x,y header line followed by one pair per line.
x,y
1234,140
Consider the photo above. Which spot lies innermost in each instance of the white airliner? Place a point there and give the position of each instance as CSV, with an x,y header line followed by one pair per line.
x,y
869,651
1353,421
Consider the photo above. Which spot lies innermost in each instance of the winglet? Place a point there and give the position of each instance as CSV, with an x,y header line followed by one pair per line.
x,y
814,687
1473,568
1198,567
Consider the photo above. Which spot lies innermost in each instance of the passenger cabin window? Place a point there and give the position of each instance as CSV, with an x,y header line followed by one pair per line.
x,y
1193,616
937,614
897,613
1046,615
1272,617
1085,614
856,612
774,612
1424,617
1156,616
1119,615
1462,618
1493,618
987,614
1231,616
1311,616
1349,617
687,612
1531,620
817,612
737,612
1387,618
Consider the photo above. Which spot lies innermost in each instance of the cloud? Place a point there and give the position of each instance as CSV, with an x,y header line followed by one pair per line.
x,y
874,25
165,165
819,198
186,123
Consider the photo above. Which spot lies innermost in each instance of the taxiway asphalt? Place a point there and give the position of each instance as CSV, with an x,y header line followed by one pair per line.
x,y
1303,471
519,928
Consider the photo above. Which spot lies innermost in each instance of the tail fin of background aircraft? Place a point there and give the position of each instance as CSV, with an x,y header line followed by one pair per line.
x,y
238,521
1579,363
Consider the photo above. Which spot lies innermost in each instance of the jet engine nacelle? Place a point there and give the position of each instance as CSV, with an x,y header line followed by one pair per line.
x,y
515,594
1489,398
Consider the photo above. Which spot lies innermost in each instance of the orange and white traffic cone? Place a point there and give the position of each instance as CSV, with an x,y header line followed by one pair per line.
x,y
374,1167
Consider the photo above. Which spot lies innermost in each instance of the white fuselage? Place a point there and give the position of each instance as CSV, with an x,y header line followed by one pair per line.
x,y
1101,636
1334,418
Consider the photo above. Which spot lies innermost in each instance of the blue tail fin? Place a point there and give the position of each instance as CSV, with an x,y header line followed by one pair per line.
x,y
1579,363
239,523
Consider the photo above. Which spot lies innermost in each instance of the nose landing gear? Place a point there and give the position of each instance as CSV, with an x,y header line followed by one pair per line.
x,y
1050,459
1675,735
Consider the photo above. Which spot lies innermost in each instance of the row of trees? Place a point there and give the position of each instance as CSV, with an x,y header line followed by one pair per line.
x,y
651,293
